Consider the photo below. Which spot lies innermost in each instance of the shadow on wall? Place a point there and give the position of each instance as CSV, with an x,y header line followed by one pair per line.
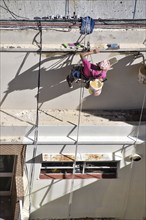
x,y
53,83
121,88
101,198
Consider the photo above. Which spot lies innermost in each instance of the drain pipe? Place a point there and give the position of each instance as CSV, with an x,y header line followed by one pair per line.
x,y
21,217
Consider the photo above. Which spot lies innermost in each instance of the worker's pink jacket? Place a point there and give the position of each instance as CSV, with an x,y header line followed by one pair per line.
x,y
89,70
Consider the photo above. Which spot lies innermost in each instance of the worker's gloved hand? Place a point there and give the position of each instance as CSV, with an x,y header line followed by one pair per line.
x,y
96,50
104,80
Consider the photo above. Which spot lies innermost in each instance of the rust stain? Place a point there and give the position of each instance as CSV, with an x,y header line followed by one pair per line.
x,y
63,158
93,157
71,157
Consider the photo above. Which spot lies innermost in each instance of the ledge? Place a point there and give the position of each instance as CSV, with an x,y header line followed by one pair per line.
x,y
68,50
59,135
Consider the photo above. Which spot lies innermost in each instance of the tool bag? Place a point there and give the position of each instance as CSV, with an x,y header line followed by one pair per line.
x,y
87,25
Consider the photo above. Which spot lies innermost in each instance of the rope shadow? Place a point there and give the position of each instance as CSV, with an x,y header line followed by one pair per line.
x,y
52,80
18,72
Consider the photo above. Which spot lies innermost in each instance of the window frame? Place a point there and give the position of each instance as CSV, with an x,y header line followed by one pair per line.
x,y
98,173
8,174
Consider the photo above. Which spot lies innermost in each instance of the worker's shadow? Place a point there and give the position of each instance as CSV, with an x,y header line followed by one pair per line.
x,y
121,87
52,80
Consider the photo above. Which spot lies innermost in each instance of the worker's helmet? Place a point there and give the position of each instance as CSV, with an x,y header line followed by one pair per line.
x,y
104,65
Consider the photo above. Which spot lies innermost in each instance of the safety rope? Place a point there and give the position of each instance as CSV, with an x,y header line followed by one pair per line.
x,y
145,172
126,200
141,114
139,123
131,169
76,149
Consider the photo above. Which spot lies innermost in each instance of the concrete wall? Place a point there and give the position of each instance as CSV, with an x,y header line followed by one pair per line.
x,y
19,84
122,198
95,8
19,71
104,134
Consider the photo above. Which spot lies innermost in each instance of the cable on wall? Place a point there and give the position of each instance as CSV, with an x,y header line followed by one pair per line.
x,y
11,12
37,116
76,150
67,8
134,9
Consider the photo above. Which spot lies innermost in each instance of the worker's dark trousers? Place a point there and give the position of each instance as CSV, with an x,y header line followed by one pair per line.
x,y
71,78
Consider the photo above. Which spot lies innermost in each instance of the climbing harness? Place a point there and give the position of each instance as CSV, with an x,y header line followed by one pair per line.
x,y
95,84
77,75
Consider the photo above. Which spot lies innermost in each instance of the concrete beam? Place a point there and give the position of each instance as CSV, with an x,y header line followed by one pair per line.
x,y
56,50
67,135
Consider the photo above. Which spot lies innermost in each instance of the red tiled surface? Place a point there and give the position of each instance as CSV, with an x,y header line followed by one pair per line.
x,y
10,207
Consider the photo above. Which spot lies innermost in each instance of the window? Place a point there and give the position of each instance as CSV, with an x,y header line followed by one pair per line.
x,y
6,163
5,183
6,173
83,169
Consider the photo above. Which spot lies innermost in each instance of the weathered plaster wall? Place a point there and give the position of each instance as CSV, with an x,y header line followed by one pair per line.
x,y
19,71
122,198
19,74
128,9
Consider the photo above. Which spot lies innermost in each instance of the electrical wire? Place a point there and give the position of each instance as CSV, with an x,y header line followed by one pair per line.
x,y
11,12
67,8
8,11
38,86
134,9
74,1
8,24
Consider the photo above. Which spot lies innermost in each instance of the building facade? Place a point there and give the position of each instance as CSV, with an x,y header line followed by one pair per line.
x,y
64,153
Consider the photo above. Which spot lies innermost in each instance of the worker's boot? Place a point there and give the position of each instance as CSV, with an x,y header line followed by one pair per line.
x,y
69,80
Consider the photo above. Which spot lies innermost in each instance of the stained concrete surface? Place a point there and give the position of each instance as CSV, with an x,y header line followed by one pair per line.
x,y
129,9
63,117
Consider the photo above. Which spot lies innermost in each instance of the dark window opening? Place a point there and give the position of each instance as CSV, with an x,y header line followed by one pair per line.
x,y
83,169
6,163
5,183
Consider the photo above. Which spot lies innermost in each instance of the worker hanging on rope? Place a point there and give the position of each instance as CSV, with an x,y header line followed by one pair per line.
x,y
88,71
